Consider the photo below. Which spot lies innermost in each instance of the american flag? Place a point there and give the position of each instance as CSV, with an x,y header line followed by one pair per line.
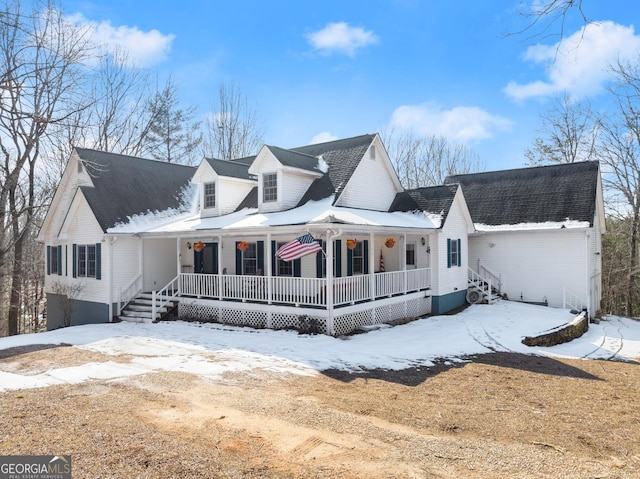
x,y
299,247
381,263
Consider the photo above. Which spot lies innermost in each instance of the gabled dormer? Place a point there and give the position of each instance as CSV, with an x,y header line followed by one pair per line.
x,y
374,183
284,176
223,185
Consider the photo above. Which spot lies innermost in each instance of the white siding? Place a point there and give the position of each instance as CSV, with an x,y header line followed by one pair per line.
x,y
160,263
292,186
372,184
230,193
82,229
535,265
125,261
63,197
447,280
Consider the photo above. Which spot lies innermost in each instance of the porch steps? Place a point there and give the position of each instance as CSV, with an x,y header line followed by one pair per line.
x,y
478,292
139,309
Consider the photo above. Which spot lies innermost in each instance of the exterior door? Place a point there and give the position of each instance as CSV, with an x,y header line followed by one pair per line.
x,y
206,261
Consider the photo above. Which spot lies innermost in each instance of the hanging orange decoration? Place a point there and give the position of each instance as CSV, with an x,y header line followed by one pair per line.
x,y
351,243
390,242
199,246
243,245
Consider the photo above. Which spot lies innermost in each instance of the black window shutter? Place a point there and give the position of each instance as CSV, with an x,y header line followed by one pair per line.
x,y
74,266
459,252
260,253
59,253
48,260
319,261
297,267
215,258
365,252
238,259
338,257
349,262
98,261
448,253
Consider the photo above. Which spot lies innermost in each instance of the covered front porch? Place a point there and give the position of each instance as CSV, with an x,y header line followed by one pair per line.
x,y
367,277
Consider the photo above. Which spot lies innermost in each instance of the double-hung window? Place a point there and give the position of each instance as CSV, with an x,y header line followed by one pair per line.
x,y
209,195
454,257
86,261
250,260
270,187
357,259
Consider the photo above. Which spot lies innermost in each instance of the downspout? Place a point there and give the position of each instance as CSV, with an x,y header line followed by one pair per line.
x,y
329,292
588,273
110,280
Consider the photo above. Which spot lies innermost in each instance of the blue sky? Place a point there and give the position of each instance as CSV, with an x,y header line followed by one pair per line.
x,y
317,70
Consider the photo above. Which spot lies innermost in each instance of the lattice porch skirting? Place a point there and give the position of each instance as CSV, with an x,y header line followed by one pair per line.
x,y
308,320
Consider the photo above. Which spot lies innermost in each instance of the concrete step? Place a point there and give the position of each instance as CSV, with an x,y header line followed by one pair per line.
x,y
134,319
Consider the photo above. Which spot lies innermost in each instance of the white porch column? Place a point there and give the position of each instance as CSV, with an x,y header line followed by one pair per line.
x,y
403,262
372,267
329,282
178,265
269,266
220,279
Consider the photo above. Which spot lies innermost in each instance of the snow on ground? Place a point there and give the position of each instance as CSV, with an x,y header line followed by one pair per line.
x,y
211,350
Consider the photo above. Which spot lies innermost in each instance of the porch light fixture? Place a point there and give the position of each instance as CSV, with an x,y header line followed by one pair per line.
x,y
188,245
423,241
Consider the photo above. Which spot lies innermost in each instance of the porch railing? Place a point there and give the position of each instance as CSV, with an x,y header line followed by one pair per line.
x,y
303,291
129,292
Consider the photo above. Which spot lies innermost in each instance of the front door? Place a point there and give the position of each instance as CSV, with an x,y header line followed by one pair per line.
x,y
206,261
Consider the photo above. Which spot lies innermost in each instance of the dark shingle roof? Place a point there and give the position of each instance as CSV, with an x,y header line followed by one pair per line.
x,y
540,194
247,160
295,159
126,185
432,199
342,157
230,168
250,201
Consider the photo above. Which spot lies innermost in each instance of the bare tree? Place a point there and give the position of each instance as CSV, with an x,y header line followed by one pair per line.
x,y
570,134
232,131
620,157
547,18
68,299
172,135
42,58
427,161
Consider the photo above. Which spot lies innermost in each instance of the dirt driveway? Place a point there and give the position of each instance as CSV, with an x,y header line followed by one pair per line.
x,y
497,416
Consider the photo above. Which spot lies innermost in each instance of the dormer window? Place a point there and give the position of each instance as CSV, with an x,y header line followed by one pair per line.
x,y
209,195
269,187
372,152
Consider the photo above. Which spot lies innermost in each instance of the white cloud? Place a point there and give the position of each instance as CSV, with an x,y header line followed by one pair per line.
x,y
342,38
578,64
143,48
322,138
463,123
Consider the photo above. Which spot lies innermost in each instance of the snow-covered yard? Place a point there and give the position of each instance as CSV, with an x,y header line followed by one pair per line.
x,y
211,350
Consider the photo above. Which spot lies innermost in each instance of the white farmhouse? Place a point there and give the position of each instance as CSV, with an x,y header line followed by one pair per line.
x,y
135,239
